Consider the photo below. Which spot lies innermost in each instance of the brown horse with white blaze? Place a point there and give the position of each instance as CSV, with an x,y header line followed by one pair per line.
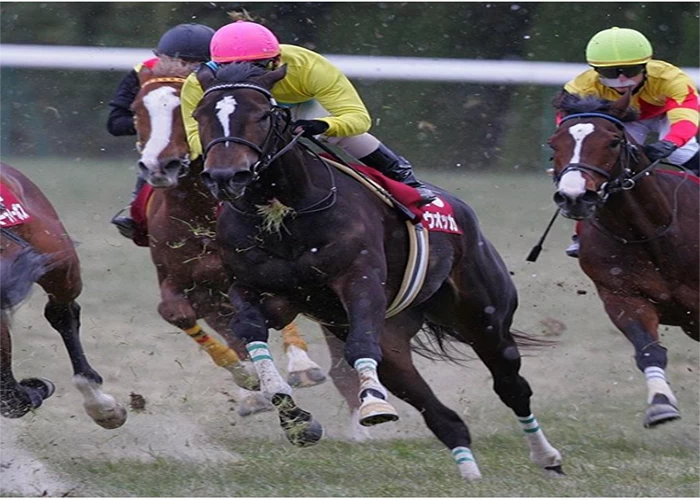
x,y
638,232
35,247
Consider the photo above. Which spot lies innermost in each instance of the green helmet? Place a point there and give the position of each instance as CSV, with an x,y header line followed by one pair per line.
x,y
618,47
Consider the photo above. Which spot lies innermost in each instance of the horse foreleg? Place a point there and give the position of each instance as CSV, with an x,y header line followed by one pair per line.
x,y
362,350
345,380
17,399
178,311
103,408
250,325
639,321
301,370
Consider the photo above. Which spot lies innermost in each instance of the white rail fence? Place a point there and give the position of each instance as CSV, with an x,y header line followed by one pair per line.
x,y
367,67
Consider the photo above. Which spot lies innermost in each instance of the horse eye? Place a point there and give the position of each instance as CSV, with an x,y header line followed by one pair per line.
x,y
616,142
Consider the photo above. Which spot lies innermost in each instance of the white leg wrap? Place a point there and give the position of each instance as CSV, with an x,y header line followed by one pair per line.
x,y
466,463
271,382
656,384
367,371
541,452
298,360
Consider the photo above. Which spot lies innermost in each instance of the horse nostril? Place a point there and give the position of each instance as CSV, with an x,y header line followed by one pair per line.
x,y
143,168
559,198
243,177
172,165
590,198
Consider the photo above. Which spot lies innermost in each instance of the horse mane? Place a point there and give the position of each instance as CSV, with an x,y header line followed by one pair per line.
x,y
573,104
173,67
239,72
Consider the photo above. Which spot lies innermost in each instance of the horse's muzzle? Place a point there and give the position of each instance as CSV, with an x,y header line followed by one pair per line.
x,y
166,175
580,207
227,186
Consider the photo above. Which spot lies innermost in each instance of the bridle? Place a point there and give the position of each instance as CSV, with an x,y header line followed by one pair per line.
x,y
626,179
280,119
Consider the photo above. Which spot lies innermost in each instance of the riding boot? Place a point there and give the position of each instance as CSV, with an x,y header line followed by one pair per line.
x,y
693,164
125,224
399,169
572,250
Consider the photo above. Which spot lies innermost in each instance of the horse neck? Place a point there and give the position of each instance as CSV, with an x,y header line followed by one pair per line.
x,y
291,180
638,212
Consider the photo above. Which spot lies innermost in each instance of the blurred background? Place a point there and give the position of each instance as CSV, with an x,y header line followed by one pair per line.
x,y
437,125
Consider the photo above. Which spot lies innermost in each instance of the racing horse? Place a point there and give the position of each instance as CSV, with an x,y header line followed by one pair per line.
x,y
181,223
35,247
336,252
638,232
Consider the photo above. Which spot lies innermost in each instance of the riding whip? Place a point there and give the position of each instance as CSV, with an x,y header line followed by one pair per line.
x,y
535,252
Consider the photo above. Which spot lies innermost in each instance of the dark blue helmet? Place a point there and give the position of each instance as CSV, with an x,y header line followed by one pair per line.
x,y
186,41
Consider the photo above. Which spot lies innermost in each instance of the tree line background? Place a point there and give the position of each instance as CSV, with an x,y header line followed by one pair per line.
x,y
436,125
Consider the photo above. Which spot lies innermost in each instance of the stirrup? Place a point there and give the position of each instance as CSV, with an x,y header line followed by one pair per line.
x,y
125,224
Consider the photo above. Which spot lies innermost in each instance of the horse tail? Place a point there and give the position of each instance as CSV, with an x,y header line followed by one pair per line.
x,y
18,273
442,343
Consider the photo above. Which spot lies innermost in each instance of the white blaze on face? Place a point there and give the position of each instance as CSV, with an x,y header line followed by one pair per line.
x,y
160,104
572,184
225,108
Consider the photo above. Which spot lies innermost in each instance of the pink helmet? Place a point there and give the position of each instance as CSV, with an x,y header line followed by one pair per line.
x,y
243,41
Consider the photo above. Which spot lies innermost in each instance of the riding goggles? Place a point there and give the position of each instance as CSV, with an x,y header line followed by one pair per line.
x,y
613,72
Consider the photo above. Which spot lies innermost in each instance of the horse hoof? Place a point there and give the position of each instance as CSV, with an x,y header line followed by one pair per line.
x,y
306,378
375,411
244,376
305,434
43,386
255,403
554,471
111,418
18,408
660,411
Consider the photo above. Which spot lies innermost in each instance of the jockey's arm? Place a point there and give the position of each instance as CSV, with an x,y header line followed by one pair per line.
x,y
190,96
121,118
682,106
332,89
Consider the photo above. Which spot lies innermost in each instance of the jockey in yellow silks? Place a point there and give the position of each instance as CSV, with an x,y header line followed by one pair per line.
x,y
322,100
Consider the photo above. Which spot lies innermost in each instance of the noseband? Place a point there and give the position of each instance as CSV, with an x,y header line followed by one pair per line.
x,y
280,120
626,179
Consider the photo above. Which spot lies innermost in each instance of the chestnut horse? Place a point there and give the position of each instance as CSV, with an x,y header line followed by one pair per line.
x,y
299,236
35,247
181,218
638,233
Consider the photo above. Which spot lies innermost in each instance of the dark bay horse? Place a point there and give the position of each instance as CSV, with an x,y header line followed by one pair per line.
x,y
337,253
638,233
181,217
35,247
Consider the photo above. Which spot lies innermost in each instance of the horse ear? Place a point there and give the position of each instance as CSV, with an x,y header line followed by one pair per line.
x,y
619,107
273,77
206,76
144,75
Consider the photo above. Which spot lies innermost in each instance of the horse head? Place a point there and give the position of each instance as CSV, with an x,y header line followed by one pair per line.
x,y
240,126
592,153
162,141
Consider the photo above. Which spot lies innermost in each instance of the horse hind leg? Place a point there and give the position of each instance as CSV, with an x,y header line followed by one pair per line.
x,y
503,361
63,313
301,370
17,399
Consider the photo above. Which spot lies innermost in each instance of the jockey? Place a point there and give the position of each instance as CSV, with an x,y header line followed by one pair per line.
x,y
665,96
322,99
186,42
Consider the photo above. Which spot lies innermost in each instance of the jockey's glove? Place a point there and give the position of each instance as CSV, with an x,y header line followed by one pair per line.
x,y
310,127
659,150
